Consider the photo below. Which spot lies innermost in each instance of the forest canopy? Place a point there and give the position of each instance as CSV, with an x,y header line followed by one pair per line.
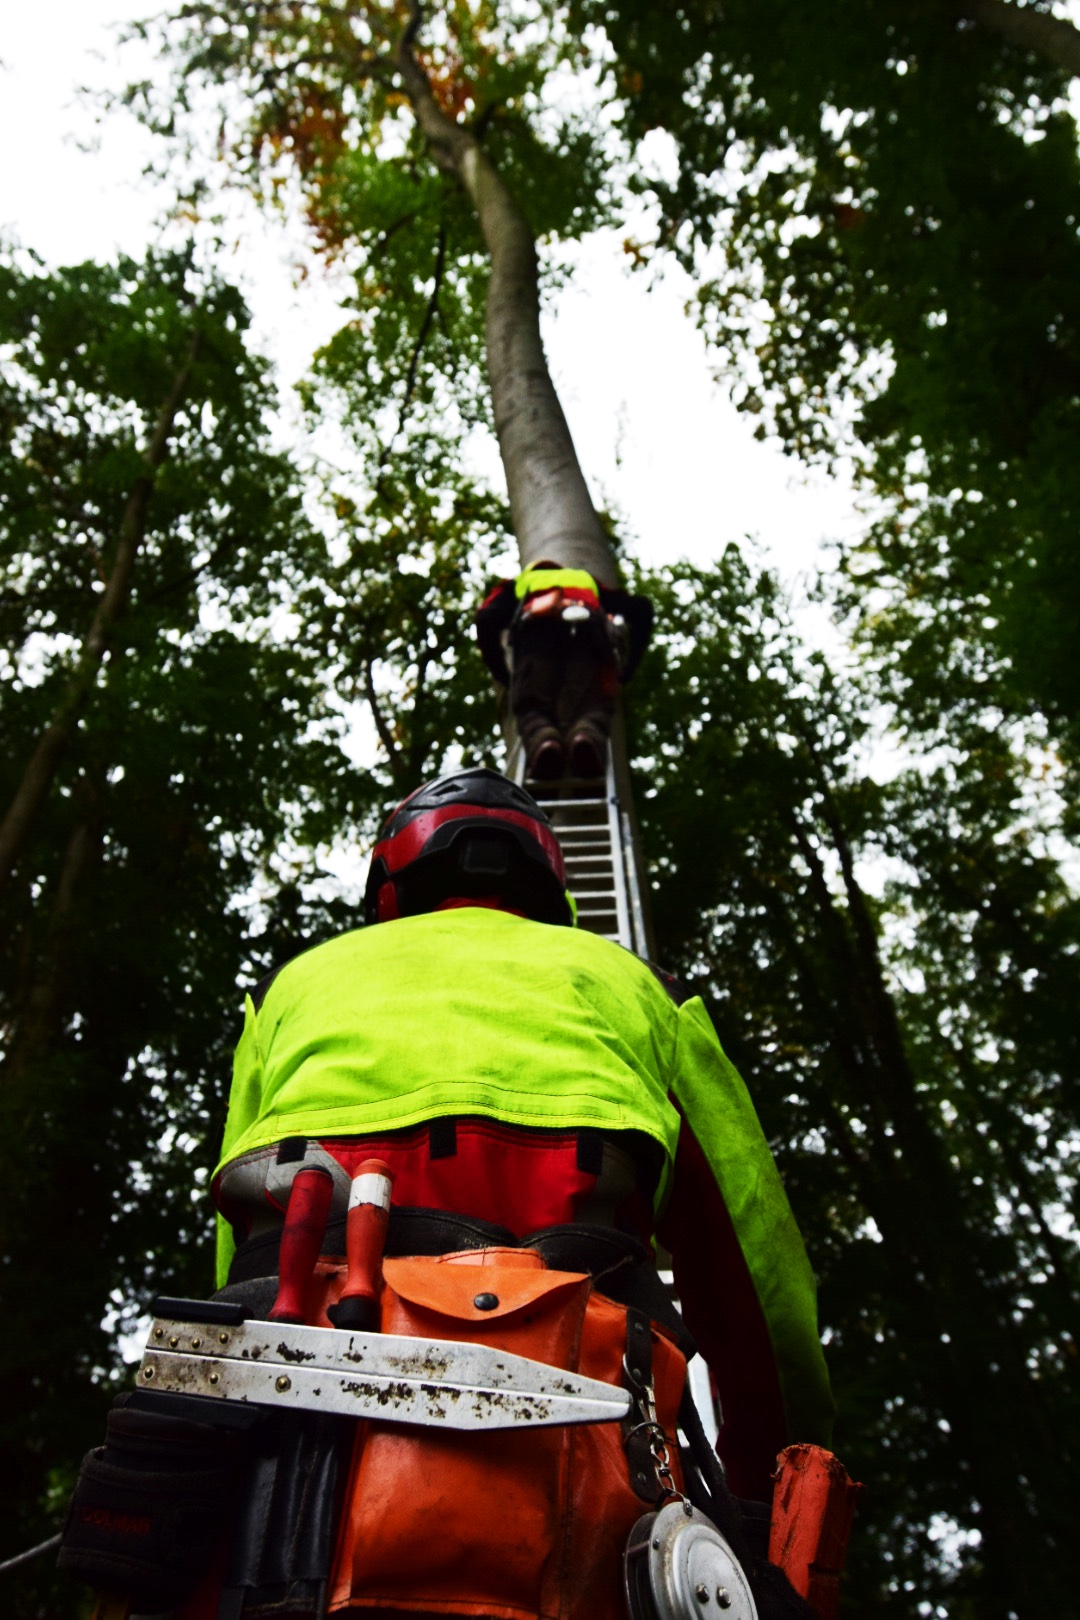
x,y
859,859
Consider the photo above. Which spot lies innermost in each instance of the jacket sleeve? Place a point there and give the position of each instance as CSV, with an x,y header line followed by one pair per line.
x,y
245,1102
741,1269
492,617
638,613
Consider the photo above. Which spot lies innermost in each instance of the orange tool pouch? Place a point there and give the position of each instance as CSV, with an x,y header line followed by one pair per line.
x,y
503,1523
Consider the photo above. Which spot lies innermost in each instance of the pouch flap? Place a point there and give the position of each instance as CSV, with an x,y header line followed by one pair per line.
x,y
494,1255
452,1290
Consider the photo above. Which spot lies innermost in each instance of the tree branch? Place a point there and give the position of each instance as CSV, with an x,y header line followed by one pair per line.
x,y
41,770
384,733
1053,38
414,359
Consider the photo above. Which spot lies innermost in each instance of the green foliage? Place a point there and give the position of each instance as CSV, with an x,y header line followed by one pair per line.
x,y
311,90
117,937
416,341
891,198
394,616
912,1056
180,849
891,954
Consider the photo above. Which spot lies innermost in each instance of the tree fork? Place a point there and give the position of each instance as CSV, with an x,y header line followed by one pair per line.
x,y
44,763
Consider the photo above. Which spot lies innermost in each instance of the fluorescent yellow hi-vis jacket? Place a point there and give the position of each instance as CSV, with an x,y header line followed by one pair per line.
x,y
573,582
473,1012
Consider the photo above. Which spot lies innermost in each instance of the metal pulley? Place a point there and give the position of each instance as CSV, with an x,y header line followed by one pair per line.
x,y
678,1566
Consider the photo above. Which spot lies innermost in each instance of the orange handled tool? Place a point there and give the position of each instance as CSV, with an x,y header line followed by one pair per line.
x,y
812,1510
301,1239
365,1238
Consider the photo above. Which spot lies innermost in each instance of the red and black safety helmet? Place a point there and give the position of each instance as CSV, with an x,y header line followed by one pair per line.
x,y
471,834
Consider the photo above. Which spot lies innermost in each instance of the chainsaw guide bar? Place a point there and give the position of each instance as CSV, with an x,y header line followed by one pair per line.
x,y
434,1382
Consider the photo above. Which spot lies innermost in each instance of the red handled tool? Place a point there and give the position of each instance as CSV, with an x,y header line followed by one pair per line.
x,y
365,1238
301,1239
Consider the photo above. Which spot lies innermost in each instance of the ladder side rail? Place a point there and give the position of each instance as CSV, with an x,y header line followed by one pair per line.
x,y
637,910
620,755
622,899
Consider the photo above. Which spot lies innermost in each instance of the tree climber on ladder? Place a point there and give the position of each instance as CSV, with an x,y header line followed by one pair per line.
x,y
541,1098
514,1070
571,641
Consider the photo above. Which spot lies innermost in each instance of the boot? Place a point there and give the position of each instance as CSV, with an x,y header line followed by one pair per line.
x,y
546,758
587,753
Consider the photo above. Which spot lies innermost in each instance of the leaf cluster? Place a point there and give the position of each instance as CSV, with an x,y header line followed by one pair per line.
x,y
882,218
204,796
889,955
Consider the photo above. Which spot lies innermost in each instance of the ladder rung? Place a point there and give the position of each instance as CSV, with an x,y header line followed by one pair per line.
x,y
571,798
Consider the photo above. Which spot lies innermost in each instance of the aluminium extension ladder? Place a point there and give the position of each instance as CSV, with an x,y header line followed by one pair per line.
x,y
595,831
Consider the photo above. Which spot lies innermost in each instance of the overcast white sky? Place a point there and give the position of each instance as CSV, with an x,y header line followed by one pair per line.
x,y
655,436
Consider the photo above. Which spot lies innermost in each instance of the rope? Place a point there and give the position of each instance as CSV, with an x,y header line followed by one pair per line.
x,y
31,1552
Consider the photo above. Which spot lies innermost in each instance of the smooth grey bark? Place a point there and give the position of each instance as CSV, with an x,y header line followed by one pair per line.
x,y
54,741
1052,37
550,506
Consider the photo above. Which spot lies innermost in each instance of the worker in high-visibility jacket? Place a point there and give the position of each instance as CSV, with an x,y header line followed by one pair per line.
x,y
513,1069
571,640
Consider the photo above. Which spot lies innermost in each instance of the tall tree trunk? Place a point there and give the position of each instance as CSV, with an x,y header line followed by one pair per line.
x,y
550,506
53,744
1051,37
